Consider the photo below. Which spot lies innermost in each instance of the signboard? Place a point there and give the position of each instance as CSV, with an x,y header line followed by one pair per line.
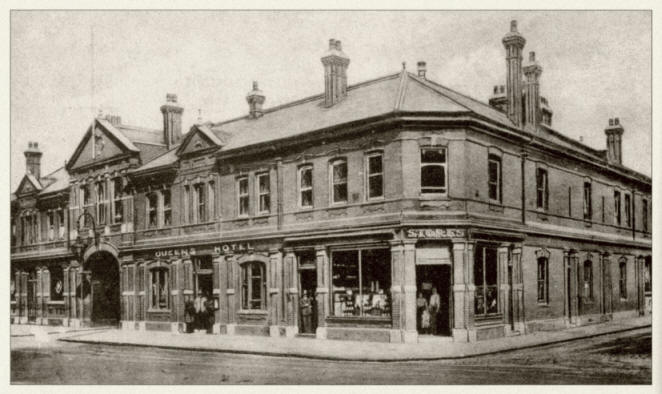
x,y
234,247
433,256
435,233
182,252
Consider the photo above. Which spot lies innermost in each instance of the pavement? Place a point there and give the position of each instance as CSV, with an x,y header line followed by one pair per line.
x,y
426,349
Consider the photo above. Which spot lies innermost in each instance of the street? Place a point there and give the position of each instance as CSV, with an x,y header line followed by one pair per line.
x,y
623,358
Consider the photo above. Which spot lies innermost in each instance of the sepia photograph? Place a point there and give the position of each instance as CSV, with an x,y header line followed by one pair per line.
x,y
330,197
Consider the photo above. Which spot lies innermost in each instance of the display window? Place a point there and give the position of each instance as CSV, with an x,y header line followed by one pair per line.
x,y
485,278
361,282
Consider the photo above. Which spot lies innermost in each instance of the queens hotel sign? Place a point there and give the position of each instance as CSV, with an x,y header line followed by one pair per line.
x,y
217,249
435,233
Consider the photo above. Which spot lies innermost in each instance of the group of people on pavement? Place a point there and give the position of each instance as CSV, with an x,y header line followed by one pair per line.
x,y
199,313
427,313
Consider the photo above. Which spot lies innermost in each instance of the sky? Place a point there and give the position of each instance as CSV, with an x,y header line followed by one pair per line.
x,y
596,66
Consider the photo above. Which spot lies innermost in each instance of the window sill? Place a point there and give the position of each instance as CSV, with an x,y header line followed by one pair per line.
x,y
151,310
374,199
484,320
543,304
433,196
341,204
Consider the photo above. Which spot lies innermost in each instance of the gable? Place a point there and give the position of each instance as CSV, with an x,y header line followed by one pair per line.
x,y
28,185
96,146
198,139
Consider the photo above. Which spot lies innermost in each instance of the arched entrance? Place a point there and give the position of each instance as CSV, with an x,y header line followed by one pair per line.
x,y
100,289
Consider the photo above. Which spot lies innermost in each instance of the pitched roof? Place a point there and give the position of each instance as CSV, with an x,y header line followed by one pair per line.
x,y
56,181
141,134
35,182
118,134
164,159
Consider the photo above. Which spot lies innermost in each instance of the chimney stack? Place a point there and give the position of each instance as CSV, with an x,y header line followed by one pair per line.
x,y
422,69
33,159
532,73
335,73
172,120
614,133
255,99
514,43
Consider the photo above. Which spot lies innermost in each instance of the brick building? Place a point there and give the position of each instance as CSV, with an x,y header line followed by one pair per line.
x,y
378,201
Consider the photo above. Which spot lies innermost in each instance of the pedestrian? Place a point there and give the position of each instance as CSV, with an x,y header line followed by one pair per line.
x,y
425,321
306,307
189,315
435,304
421,305
209,312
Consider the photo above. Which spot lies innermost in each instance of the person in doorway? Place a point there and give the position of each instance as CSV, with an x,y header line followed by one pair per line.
x,y
421,305
425,321
209,314
435,304
306,307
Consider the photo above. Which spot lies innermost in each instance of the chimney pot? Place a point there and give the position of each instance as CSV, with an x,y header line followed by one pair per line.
x,y
338,45
496,89
611,122
422,69
332,43
172,120
335,73
532,56
616,121
513,25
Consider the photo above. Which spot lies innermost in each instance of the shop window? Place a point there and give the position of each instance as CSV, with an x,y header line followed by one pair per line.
x,y
200,198
306,186
588,280
627,207
152,217
485,278
433,170
542,190
375,175
253,286
494,178
167,208
588,208
102,202
159,288
623,279
263,187
242,196
361,282
50,224
61,224
118,209
543,280
57,283
617,208
644,215
339,181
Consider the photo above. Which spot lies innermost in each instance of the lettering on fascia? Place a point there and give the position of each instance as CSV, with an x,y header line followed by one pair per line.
x,y
435,233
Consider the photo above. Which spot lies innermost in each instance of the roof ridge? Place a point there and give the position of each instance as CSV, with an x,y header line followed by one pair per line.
x,y
305,99
402,90
138,128
436,84
52,172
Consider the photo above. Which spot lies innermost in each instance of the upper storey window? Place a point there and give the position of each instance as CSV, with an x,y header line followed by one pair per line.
x,y
617,207
306,186
339,181
152,213
644,213
627,206
167,208
60,221
201,201
375,175
542,191
588,209
242,196
433,170
494,177
118,209
263,192
102,201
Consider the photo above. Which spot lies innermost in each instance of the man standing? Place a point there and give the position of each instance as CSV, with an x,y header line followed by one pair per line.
x,y
435,304
306,307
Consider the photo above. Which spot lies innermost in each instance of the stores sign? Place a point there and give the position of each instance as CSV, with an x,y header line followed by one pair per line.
x,y
435,233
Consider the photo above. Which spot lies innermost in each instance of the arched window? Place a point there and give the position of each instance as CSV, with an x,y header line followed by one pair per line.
x,y
588,279
253,286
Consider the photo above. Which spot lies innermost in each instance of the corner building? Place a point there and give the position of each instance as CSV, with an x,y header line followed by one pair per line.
x,y
376,201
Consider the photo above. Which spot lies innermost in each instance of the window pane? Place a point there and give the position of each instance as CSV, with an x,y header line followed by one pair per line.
x,y
264,183
479,307
433,177
375,164
433,156
243,206
306,177
375,186
243,186
264,203
493,171
340,172
340,192
478,267
490,266
345,280
491,299
493,191
307,198
376,282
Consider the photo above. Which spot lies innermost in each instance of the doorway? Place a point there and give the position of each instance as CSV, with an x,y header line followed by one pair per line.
x,y
307,288
104,289
431,279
